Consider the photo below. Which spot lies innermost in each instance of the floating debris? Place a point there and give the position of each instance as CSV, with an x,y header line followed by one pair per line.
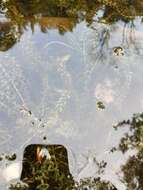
x,y
118,51
11,157
8,157
100,105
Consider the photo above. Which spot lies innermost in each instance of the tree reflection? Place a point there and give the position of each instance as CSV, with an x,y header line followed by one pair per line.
x,y
95,183
62,14
7,36
133,140
46,167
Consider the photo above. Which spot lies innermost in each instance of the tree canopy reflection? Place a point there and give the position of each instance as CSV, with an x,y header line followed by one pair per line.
x,y
45,167
133,167
61,14
132,140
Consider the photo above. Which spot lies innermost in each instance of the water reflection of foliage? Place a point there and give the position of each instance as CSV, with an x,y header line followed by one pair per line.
x,y
94,183
51,171
7,36
45,167
55,178
84,184
115,10
64,14
132,169
133,140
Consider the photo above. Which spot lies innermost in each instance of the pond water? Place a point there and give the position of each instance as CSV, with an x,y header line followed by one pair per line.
x,y
70,82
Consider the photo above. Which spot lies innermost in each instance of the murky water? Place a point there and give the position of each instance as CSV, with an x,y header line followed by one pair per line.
x,y
52,84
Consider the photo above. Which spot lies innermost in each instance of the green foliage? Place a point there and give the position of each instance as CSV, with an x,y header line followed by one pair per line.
x,y
133,172
48,175
94,184
134,139
7,37
50,170
17,10
133,168
84,184
18,186
21,13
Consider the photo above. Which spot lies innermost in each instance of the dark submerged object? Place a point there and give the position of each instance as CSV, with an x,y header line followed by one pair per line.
x,y
46,167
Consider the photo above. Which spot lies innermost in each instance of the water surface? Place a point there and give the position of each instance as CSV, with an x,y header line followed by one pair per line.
x,y
70,80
